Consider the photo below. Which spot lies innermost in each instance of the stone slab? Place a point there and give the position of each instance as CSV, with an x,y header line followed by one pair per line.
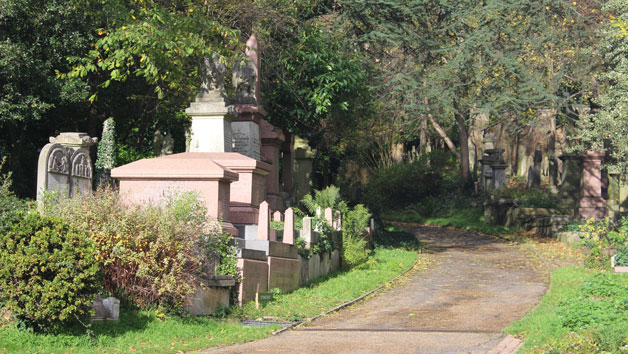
x,y
273,248
207,301
253,272
283,273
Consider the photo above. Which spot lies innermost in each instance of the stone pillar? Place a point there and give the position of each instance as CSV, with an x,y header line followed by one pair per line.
x,y
263,224
534,172
307,232
211,121
288,227
273,232
329,216
272,138
338,221
571,178
65,165
592,204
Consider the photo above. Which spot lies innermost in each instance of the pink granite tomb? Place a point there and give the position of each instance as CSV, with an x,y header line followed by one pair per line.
x,y
149,180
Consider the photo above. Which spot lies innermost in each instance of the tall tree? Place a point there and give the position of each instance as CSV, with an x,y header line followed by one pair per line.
x,y
445,60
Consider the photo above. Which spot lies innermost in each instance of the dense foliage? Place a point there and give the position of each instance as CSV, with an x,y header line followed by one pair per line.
x,y
151,255
48,271
403,184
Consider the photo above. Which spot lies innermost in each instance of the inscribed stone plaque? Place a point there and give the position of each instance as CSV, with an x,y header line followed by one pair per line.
x,y
283,273
246,139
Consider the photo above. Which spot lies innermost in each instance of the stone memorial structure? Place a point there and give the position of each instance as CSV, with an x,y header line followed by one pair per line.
x,y
272,138
534,173
303,168
571,178
149,180
493,170
249,113
211,116
592,204
65,166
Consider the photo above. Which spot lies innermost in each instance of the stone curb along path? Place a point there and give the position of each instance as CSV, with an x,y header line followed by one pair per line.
x,y
475,287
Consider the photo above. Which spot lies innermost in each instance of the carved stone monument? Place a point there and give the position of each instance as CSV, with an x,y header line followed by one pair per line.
x,y
211,116
65,165
245,127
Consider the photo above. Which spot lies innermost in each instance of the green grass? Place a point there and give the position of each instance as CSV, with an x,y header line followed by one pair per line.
x,y
544,322
141,332
335,288
145,332
470,218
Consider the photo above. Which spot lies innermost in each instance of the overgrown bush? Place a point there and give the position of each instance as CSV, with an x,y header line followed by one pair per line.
x,y
410,183
150,255
48,270
354,245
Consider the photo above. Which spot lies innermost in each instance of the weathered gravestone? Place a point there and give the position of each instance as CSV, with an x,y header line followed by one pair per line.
x,y
534,173
65,165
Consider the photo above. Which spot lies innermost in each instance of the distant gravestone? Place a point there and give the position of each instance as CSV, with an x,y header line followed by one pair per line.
x,y
65,165
534,173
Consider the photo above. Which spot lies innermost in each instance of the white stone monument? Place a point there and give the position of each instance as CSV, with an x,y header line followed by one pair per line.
x,y
211,116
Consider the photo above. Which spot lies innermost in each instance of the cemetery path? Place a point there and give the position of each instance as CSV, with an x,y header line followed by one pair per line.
x,y
474,287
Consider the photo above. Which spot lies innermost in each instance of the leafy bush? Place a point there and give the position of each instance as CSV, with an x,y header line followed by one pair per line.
x,y
621,257
410,183
48,270
151,255
354,246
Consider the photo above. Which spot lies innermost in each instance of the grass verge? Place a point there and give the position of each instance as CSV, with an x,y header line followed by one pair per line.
x,y
136,332
585,312
150,332
333,289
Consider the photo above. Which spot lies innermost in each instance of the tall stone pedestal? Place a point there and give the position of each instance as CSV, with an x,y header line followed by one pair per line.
x,y
246,131
592,204
211,124
272,138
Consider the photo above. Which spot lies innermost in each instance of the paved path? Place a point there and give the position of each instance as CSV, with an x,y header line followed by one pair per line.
x,y
474,288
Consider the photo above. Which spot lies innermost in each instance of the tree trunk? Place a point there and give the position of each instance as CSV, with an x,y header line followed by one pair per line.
x,y
423,147
463,138
444,136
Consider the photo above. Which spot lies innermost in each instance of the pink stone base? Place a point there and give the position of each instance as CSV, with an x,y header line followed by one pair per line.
x,y
243,214
621,269
592,207
253,272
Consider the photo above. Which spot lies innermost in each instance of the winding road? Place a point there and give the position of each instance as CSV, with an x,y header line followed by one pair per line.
x,y
474,287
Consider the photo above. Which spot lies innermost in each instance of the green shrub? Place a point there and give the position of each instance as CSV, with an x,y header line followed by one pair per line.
x,y
155,254
48,271
410,183
354,246
621,257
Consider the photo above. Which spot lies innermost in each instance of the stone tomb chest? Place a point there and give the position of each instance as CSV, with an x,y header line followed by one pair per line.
x,y
151,179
